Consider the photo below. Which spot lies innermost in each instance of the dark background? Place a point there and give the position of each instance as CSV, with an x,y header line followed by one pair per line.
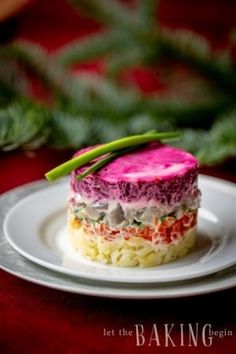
x,y
34,319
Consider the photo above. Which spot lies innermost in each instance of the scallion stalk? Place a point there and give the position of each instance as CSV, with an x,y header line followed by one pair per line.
x,y
115,145
105,160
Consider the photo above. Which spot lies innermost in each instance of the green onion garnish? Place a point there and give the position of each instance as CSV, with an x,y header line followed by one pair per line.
x,y
116,145
103,161
100,163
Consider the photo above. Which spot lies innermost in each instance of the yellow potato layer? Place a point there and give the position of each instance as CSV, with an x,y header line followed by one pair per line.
x,y
136,251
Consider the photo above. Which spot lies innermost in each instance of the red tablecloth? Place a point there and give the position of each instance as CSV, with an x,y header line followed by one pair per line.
x,y
34,319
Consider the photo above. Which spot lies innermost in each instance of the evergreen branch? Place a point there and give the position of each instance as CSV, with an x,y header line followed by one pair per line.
x,y
224,129
90,48
194,51
68,130
36,59
113,103
182,113
13,83
126,58
90,108
105,129
118,102
106,96
193,140
60,82
200,144
215,145
22,123
100,98
146,10
96,82
114,14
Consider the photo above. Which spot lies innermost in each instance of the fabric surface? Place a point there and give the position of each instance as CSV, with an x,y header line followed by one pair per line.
x,y
35,319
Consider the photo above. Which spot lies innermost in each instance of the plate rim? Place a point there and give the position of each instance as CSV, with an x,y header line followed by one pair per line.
x,y
101,277
219,283
129,293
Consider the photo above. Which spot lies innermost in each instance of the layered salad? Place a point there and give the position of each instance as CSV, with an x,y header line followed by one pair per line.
x,y
139,210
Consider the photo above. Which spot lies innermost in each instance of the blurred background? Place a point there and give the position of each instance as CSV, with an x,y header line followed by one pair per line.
x,y
79,72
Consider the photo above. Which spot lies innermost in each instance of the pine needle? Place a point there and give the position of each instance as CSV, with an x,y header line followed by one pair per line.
x,y
193,50
113,13
90,48
21,124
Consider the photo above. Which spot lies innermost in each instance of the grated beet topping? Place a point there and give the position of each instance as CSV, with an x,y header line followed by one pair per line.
x,y
169,192
157,172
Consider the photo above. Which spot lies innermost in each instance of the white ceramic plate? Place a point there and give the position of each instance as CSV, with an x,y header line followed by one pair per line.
x,y
12,262
36,228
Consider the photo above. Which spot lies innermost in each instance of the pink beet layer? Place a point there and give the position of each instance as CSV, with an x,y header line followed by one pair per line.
x,y
152,172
